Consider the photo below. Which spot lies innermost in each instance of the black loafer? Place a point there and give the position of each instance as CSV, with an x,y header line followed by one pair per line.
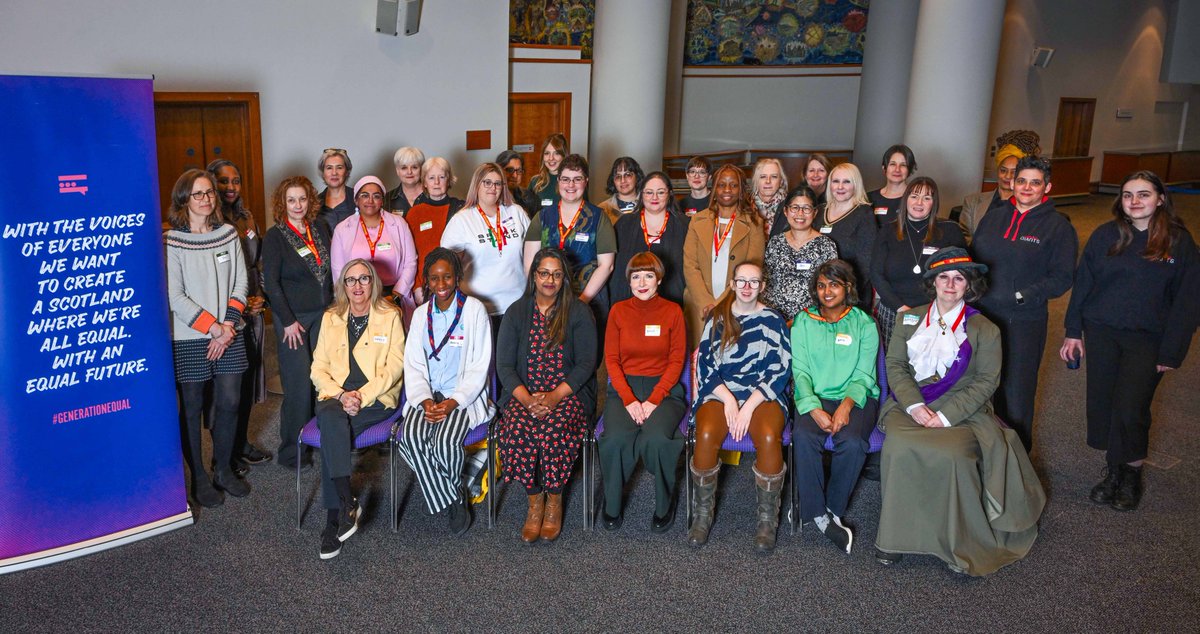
x,y
255,456
887,559
611,523
663,524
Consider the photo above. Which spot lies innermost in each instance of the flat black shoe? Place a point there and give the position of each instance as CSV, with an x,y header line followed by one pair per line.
x,y
871,468
663,524
460,516
205,494
611,523
331,546
231,484
239,468
305,466
1103,492
1128,495
887,559
255,456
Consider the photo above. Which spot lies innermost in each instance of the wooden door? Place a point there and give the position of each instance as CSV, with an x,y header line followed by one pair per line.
x,y
533,116
193,129
1073,134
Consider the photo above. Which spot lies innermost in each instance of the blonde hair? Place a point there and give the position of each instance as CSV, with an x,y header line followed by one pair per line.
x,y
444,165
506,198
758,168
341,301
859,197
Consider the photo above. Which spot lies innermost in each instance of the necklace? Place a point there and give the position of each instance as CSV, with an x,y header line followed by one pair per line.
x,y
908,238
358,325
652,238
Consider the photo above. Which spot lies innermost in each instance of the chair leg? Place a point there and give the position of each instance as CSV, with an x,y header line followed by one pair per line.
x,y
491,467
392,481
299,510
688,448
587,494
793,512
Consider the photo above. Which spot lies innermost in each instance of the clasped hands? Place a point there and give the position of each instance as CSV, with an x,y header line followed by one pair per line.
x,y
926,417
539,404
351,401
222,335
437,412
833,423
640,411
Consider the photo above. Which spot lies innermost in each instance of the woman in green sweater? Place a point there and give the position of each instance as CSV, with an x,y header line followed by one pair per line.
x,y
834,350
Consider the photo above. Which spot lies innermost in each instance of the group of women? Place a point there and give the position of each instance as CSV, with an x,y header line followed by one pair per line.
x,y
785,295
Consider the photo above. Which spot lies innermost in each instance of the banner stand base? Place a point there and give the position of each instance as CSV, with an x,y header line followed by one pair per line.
x,y
98,544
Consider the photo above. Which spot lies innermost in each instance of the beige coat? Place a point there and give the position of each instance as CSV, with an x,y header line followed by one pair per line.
x,y
747,244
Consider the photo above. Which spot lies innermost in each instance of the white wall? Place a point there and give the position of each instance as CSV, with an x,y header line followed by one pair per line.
x,y
727,108
323,75
1114,55
554,77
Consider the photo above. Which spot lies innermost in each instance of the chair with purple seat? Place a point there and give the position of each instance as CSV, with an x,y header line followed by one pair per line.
x,y
745,445
685,379
377,434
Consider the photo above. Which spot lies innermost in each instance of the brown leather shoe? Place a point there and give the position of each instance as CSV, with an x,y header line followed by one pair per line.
x,y
533,520
552,524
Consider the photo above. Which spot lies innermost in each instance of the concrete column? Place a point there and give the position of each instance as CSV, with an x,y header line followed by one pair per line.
x,y
950,93
629,85
883,89
674,98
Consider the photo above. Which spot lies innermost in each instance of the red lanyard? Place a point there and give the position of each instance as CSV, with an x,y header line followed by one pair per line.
x,y
942,324
378,234
497,231
307,238
563,230
718,237
652,239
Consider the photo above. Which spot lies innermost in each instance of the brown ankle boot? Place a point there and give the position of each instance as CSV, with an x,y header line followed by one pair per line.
x,y
533,521
552,524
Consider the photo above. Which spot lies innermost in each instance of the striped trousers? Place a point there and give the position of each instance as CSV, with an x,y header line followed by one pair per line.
x,y
434,451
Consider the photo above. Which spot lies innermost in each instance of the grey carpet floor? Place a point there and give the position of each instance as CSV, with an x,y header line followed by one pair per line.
x,y
245,567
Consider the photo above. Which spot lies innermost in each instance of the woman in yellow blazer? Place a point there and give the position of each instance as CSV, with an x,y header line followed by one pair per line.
x,y
718,240
357,366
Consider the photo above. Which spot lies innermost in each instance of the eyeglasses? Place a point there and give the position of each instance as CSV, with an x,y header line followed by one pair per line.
x,y
361,280
624,175
796,210
739,282
333,150
369,196
543,275
697,172
491,184
567,180
198,196
514,170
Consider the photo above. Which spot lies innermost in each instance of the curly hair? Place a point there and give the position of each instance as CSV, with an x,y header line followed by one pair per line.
x,y
1027,140
279,198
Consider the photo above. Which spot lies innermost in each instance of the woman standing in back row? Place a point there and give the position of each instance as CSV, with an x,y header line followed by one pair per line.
x,y
1136,301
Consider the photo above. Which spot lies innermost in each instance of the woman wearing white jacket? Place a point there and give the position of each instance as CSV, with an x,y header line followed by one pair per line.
x,y
446,359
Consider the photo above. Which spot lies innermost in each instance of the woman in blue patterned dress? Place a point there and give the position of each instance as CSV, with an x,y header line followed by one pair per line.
x,y
743,369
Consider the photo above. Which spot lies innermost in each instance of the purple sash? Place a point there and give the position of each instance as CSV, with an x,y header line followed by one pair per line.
x,y
933,391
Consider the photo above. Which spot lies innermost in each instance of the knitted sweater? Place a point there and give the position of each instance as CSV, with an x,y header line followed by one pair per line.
x,y
206,280
645,338
759,360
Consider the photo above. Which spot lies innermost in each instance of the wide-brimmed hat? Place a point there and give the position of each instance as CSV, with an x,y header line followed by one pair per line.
x,y
952,259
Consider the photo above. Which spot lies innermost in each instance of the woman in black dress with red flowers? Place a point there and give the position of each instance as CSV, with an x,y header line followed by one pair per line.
x,y
546,362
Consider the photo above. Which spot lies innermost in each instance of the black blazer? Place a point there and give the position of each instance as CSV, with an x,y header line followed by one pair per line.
x,y
579,351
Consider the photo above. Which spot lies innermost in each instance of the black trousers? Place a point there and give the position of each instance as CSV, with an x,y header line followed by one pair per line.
x,y
338,430
299,398
1122,376
252,334
656,442
850,446
222,419
1023,343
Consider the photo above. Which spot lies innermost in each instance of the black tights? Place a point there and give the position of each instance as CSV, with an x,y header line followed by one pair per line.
x,y
225,397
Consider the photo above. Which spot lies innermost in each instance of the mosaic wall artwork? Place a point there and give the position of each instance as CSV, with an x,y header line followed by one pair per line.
x,y
775,32
554,22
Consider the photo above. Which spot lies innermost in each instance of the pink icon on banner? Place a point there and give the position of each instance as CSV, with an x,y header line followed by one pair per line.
x,y
69,184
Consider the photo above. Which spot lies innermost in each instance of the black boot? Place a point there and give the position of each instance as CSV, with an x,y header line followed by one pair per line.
x,y
350,511
705,485
1129,493
1103,492
770,489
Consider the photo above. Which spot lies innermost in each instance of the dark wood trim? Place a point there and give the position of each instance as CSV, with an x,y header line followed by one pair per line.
x,y
539,60
563,47
739,75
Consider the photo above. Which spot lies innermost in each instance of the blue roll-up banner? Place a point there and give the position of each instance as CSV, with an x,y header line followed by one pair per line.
x,y
89,426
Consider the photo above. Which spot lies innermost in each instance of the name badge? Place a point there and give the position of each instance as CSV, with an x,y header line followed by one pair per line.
x,y
546,202
653,330
912,320
303,252
691,211
383,246
929,250
427,225
380,339
581,237
250,234
843,339
803,265
222,257
827,230
881,211
456,341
